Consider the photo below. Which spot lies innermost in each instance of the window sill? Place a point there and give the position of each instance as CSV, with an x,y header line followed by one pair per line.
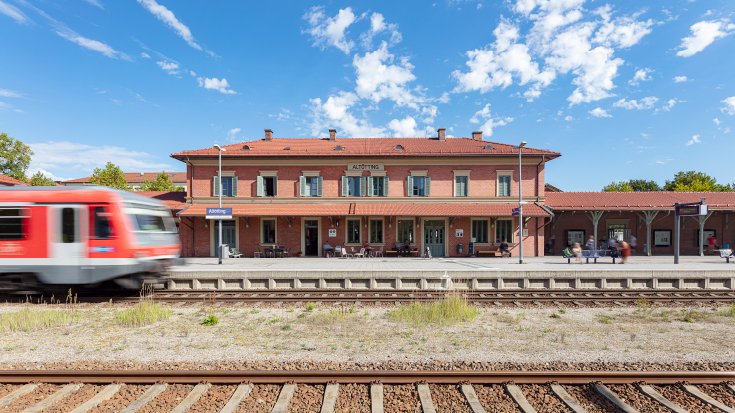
x,y
268,244
353,244
376,244
485,244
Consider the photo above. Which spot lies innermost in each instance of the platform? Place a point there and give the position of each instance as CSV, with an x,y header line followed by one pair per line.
x,y
707,272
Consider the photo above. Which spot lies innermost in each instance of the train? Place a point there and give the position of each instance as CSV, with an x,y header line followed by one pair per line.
x,y
83,236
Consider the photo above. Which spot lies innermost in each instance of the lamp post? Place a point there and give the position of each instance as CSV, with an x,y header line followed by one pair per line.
x,y
219,178
520,205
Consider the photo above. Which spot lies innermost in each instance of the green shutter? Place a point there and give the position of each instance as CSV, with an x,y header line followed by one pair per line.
x,y
215,186
467,187
409,186
275,186
345,186
427,186
260,186
370,186
302,186
234,186
385,186
362,185
456,185
319,187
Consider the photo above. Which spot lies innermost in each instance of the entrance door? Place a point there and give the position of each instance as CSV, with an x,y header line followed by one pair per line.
x,y
68,243
311,238
434,237
228,235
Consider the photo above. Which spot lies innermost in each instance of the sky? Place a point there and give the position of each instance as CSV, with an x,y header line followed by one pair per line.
x,y
623,89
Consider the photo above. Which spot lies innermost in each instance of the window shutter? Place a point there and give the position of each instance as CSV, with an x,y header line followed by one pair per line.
x,y
275,186
302,186
457,183
319,188
467,187
427,186
370,186
385,186
362,185
215,186
234,186
260,186
345,186
409,186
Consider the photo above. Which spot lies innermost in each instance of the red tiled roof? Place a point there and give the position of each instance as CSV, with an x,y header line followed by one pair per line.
x,y
6,180
635,201
174,200
136,177
296,210
364,147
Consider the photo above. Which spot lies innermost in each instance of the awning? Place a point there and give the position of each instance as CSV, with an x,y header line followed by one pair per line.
x,y
357,209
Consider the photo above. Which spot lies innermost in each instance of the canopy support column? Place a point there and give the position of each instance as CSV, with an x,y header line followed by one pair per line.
x,y
595,216
648,216
702,219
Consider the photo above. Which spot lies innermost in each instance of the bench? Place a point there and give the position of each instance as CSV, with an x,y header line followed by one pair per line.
x,y
391,253
726,254
594,254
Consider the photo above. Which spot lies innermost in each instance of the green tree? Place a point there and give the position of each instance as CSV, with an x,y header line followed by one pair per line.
x,y
162,183
15,156
39,179
641,185
692,181
111,176
619,186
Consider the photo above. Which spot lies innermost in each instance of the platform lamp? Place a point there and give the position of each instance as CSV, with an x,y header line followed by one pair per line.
x,y
520,205
220,150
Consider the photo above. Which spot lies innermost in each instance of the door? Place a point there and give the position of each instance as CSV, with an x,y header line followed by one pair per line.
x,y
434,237
229,236
311,238
68,243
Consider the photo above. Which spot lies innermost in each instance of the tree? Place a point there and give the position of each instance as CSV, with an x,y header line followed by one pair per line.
x,y
619,186
162,183
692,181
15,156
111,176
641,185
39,179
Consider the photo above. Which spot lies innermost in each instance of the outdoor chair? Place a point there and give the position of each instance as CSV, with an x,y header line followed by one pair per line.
x,y
258,253
360,254
234,253
287,252
342,252
378,252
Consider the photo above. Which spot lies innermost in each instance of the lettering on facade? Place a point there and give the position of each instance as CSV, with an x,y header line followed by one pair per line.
x,y
364,166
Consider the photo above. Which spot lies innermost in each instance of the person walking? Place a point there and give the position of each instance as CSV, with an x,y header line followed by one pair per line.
x,y
712,242
633,244
591,243
624,251
504,249
612,243
577,251
603,243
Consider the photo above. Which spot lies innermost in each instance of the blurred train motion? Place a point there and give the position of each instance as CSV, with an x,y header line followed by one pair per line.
x,y
55,237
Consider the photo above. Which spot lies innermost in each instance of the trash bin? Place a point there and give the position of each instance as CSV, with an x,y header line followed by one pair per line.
x,y
645,248
459,248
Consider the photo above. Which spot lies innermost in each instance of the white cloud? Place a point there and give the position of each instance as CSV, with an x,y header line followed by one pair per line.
x,y
10,93
703,34
668,106
191,72
404,127
569,118
13,12
641,75
95,3
336,112
90,44
645,135
645,103
695,139
729,106
330,31
490,122
727,130
716,121
69,157
599,113
216,84
377,80
145,55
479,6
47,174
170,67
377,26
679,79
232,134
166,16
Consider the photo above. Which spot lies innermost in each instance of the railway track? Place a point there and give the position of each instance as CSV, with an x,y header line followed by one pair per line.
x,y
375,391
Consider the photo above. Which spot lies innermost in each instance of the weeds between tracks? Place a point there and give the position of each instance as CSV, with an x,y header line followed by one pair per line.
x,y
452,309
34,317
147,311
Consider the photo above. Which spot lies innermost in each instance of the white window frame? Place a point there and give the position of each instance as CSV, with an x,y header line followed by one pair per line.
x,y
347,232
270,174
461,172
497,181
275,240
370,221
490,229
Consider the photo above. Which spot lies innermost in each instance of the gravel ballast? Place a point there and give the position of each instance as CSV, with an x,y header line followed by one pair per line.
x,y
543,399
353,398
495,399
41,392
168,399
679,397
307,398
213,400
126,395
637,400
261,400
401,399
591,400
448,399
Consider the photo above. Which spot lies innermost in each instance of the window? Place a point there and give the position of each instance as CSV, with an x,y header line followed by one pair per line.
x,y
504,185
460,185
353,231
354,185
269,231
229,186
101,224
11,224
479,231
504,230
376,231
405,231
267,186
418,185
377,186
68,225
310,186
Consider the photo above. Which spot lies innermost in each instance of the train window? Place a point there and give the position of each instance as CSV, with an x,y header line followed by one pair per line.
x,y
11,224
102,228
68,225
150,223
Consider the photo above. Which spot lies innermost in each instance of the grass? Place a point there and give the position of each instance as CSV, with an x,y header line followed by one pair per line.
x,y
451,310
210,320
34,318
147,311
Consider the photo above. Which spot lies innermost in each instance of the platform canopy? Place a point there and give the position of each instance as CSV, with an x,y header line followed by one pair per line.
x,y
636,201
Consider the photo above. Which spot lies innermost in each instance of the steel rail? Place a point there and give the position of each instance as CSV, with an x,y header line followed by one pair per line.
x,y
363,376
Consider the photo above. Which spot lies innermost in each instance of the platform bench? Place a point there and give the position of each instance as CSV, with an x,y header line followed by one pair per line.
x,y
391,253
594,254
488,253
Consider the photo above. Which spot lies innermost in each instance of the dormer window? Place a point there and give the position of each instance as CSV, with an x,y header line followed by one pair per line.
x,y
399,147
488,146
338,148
245,148
287,148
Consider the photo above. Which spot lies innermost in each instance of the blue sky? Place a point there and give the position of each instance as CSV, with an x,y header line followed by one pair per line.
x,y
623,89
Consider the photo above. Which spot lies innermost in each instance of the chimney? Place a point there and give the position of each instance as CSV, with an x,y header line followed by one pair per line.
x,y
333,135
268,135
477,135
442,134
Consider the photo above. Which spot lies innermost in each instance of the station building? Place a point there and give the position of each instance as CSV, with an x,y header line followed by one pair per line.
x,y
438,193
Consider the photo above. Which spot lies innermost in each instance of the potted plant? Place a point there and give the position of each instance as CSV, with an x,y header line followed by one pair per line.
x,y
298,254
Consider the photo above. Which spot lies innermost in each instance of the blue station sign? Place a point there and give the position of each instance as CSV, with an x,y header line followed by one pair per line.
x,y
691,210
219,213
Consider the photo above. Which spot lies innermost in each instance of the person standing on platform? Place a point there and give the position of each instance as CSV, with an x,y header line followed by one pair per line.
x,y
612,243
633,244
591,243
551,243
712,242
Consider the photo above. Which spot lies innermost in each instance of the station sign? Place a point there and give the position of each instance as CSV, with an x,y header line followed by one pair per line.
x,y
514,212
219,213
692,210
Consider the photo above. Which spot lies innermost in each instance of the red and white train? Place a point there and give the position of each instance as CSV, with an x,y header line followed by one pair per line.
x,y
82,236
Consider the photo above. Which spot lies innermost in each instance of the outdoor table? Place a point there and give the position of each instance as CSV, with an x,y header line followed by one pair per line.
x,y
275,251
